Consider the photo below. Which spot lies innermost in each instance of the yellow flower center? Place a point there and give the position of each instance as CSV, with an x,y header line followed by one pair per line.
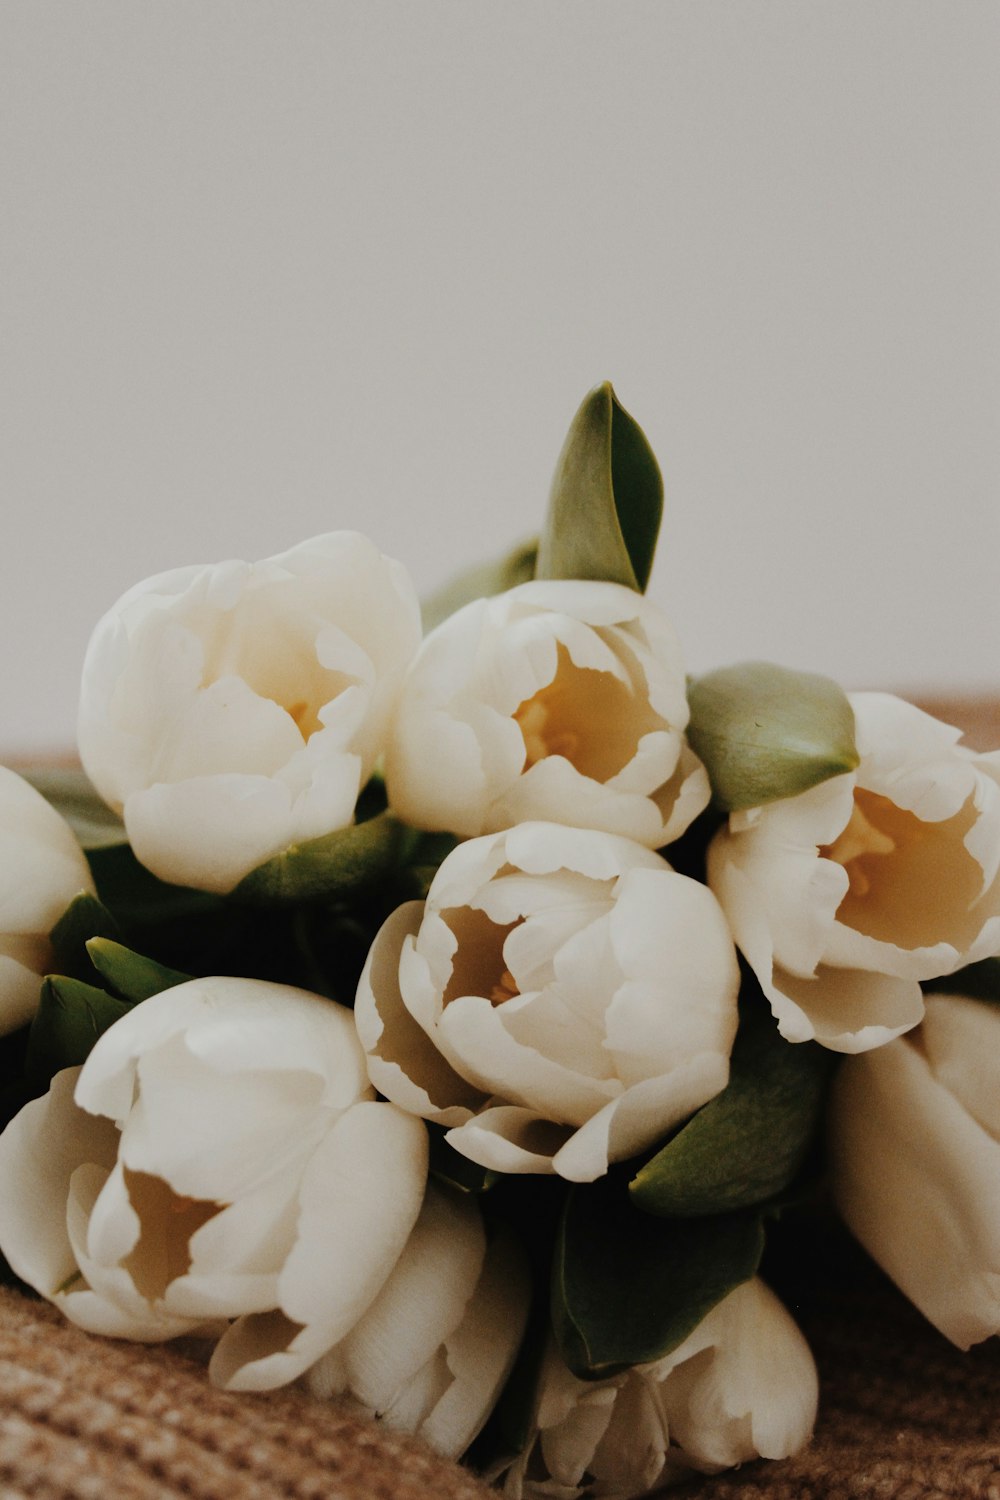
x,y
478,966
911,882
590,718
167,1220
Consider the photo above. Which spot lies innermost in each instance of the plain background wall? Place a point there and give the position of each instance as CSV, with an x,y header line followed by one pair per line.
x,y
274,268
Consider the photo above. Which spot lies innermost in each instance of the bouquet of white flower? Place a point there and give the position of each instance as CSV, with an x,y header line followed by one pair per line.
x,y
443,1020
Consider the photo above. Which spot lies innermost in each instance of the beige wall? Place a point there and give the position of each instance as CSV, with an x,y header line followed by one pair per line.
x,y
272,268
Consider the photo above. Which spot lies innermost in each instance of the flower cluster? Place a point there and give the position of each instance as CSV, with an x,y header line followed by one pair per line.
x,y
435,1006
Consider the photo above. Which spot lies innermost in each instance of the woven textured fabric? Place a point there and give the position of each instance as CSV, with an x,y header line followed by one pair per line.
x,y
92,1419
903,1415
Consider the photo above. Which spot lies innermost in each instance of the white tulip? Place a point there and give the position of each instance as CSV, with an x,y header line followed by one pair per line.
x,y
563,999
563,701
743,1385
230,711
42,868
915,1160
845,897
433,1351
218,1157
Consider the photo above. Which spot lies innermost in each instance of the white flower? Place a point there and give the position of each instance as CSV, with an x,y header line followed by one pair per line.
x,y
845,897
433,1351
230,711
219,1156
42,868
915,1159
563,701
562,1000
743,1385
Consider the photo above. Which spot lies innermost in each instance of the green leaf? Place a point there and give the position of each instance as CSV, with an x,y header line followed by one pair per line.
x,y
131,976
606,499
628,1288
70,1017
349,860
84,918
71,794
749,1142
766,732
980,981
481,582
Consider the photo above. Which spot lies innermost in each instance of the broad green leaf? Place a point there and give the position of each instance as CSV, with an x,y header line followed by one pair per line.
x,y
334,865
628,1288
71,1016
979,981
83,919
131,976
766,732
481,582
747,1144
450,1166
70,792
606,499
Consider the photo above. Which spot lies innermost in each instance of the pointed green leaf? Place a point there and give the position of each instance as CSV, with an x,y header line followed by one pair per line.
x,y
129,974
979,981
70,792
70,1017
606,499
746,1144
336,864
628,1288
481,582
84,918
766,732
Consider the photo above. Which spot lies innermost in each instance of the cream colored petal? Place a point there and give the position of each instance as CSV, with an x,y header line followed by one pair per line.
x,y
20,987
473,1034
359,1198
507,1138
630,1457
234,1025
482,1349
209,831
848,1010
421,1304
961,1041
918,1182
554,791
644,1114
43,866
752,1391
403,1062
681,977
40,1150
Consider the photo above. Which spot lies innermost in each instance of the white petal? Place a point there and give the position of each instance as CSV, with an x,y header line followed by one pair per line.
x,y
754,1394
209,831
421,1304
961,1041
403,1062
40,1150
918,1181
360,1196
482,1349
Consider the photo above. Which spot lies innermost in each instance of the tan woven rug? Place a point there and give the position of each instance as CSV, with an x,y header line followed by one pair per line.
x,y
903,1415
